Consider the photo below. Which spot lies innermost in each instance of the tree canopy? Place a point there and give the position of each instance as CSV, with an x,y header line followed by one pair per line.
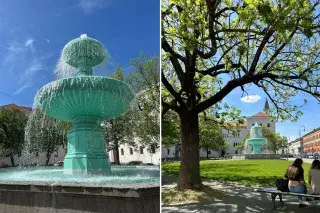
x,y
272,45
12,125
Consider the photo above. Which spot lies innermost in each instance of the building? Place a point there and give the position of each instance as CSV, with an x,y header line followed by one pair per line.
x,y
311,142
141,153
295,147
263,118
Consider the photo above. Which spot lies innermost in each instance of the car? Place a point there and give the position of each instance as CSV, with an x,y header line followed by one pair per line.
x,y
59,163
310,156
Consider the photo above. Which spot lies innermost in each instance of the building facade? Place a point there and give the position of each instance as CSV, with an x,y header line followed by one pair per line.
x,y
233,140
295,147
311,142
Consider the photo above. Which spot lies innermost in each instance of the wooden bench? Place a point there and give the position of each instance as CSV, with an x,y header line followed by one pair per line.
x,y
275,192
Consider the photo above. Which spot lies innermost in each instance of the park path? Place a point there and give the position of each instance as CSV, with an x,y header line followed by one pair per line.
x,y
237,198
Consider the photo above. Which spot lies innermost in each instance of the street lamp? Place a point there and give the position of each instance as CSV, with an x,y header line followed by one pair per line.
x,y
301,150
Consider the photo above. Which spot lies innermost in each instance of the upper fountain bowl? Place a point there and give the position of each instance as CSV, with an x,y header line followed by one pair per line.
x,y
83,53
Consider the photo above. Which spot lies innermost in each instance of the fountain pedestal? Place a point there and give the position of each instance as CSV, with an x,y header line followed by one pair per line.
x,y
86,150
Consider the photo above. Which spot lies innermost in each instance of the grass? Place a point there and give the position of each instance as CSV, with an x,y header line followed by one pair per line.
x,y
205,194
250,172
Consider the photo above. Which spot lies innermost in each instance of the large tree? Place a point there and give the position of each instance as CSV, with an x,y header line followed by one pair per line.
x,y
118,130
145,81
12,125
141,122
270,44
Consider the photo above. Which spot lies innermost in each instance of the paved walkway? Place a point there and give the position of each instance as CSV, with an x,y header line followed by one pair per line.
x,y
237,199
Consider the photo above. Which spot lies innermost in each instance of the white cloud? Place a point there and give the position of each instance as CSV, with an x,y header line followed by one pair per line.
x,y
251,99
22,63
89,6
29,42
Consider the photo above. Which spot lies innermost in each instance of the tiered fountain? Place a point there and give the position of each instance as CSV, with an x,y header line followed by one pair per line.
x,y
256,147
87,183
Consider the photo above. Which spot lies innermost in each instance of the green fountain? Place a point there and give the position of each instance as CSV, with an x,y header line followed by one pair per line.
x,y
85,100
256,143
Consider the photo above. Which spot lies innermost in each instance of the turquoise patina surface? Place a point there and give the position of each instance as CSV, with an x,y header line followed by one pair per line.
x,y
256,142
85,100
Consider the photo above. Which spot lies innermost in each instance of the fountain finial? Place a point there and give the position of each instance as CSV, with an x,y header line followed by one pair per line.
x,y
83,53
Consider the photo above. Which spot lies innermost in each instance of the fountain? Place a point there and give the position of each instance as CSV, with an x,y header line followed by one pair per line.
x,y
256,147
85,101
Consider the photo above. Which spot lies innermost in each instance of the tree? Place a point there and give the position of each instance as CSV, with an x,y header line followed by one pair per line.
x,y
45,134
210,136
141,122
145,81
270,44
118,130
275,141
12,124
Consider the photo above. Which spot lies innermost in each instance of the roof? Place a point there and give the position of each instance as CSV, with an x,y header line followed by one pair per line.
x,y
313,131
261,115
14,106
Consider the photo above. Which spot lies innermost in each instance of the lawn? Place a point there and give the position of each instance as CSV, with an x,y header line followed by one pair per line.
x,y
252,172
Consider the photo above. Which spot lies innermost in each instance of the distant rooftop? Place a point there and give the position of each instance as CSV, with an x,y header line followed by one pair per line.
x,y
14,106
261,114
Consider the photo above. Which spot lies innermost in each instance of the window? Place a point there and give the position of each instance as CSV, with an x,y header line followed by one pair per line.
x,y
131,151
122,152
141,150
168,150
268,125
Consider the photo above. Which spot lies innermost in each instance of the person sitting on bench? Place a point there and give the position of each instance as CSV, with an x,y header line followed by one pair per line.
x,y
314,177
295,175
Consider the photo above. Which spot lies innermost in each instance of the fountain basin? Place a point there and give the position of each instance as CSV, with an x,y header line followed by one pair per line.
x,y
48,189
84,97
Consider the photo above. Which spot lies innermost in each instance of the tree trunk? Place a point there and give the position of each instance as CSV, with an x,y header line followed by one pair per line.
x,y
48,155
189,176
207,153
12,160
116,154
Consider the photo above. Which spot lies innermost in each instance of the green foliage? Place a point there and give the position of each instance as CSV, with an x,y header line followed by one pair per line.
x,y
141,122
210,135
12,125
253,172
45,134
144,79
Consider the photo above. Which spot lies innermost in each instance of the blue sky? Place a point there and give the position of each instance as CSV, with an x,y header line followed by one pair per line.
x,y
310,119
33,34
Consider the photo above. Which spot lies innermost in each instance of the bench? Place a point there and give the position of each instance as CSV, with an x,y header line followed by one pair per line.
x,y
275,192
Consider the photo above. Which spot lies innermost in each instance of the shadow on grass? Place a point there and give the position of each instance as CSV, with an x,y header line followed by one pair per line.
x,y
238,199
205,194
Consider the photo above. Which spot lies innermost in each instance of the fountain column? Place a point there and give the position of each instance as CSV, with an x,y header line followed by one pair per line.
x,y
86,149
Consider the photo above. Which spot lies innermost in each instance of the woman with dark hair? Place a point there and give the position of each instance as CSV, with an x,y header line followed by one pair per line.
x,y
295,175
314,177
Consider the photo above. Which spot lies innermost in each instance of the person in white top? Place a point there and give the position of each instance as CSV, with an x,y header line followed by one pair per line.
x,y
314,177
